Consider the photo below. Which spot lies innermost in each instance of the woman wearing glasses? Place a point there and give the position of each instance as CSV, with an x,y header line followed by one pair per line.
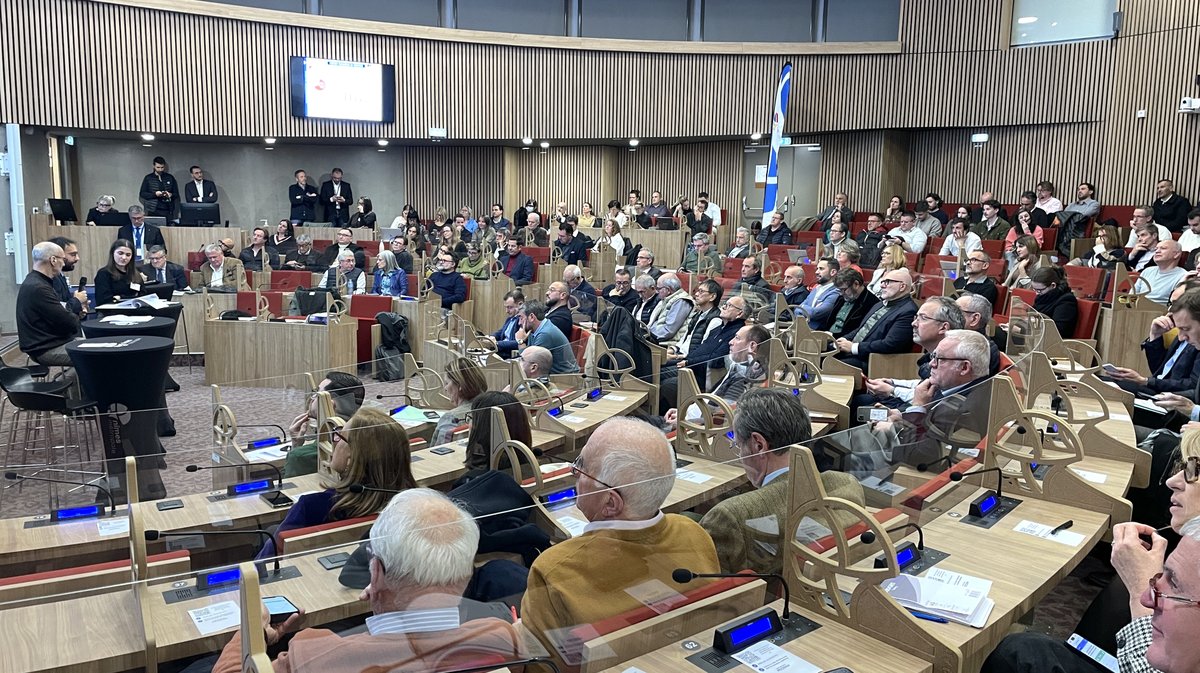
x,y
104,206
1054,299
372,450
1107,252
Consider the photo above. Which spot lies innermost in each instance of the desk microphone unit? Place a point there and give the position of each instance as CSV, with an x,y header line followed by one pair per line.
x,y
71,513
272,493
990,507
559,499
912,559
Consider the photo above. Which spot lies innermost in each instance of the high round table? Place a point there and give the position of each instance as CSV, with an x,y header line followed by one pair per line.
x,y
158,326
125,376
173,311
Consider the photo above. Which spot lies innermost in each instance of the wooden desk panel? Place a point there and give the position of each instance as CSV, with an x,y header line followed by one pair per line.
x,y
577,424
98,634
828,647
488,296
1120,333
189,334
667,246
276,354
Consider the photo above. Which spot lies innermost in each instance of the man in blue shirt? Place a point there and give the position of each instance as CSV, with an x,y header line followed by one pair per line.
x,y
506,336
448,283
537,331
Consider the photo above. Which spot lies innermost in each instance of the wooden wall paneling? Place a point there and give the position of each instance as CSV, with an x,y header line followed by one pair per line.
x,y
453,177
571,174
852,163
923,25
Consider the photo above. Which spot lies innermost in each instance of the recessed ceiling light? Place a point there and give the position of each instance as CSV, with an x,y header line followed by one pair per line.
x,y
269,141
756,136
632,149
524,148
1027,19
381,150
147,137
382,142
527,140
633,142
544,145
147,145
268,147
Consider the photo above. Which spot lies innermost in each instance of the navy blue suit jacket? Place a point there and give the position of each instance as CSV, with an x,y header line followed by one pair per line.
x,y
1185,373
891,334
522,272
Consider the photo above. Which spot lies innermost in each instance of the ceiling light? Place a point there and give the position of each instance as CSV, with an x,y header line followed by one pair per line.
x,y
544,145
632,149
147,137
1027,19
382,142
524,148
268,147
269,141
756,136
147,145
380,150
527,140
633,142
541,151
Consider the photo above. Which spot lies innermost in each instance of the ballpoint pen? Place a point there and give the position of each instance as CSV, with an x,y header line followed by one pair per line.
x,y
1061,527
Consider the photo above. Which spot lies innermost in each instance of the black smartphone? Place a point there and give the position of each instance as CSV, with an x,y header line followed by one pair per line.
x,y
164,505
334,561
579,406
442,450
279,608
277,499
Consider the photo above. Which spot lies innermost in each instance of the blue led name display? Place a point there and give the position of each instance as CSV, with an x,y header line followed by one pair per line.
x,y
78,512
567,494
222,577
905,556
747,632
252,486
398,409
270,441
988,504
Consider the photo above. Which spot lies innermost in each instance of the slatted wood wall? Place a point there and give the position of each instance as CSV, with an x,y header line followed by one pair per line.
x,y
453,177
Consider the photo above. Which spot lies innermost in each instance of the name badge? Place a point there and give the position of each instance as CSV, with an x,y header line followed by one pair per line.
x,y
136,287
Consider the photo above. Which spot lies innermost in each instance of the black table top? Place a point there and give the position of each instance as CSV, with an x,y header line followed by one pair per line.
x,y
155,326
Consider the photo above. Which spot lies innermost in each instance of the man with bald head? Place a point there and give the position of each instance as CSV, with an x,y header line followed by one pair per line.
x,y
583,291
44,325
794,292
558,309
1161,277
887,328
623,475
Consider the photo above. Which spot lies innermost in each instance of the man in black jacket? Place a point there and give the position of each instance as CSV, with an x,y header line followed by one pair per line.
x,y
159,191
303,258
336,195
574,249
559,313
853,304
1170,209
345,241
303,199
776,232
159,270
886,329
710,354
199,190
1176,368
620,291
44,327
75,301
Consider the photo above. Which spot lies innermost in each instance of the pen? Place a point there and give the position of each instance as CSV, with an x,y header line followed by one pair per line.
x,y
1061,527
928,617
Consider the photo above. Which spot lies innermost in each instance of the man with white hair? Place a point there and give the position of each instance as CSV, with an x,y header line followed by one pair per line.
x,y
672,310
44,325
1159,279
422,552
624,473
533,231
583,291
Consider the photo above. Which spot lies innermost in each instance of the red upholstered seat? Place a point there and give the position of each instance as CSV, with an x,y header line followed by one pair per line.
x,y
363,308
732,268
932,266
1089,314
1049,238
775,253
1122,214
579,340
809,238
288,281
994,249
1085,281
195,260
1027,296
321,243
1001,298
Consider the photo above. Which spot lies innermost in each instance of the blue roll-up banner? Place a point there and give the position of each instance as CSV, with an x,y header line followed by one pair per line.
x,y
771,190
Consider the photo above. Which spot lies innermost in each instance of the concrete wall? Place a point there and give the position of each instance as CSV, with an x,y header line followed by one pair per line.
x,y
251,181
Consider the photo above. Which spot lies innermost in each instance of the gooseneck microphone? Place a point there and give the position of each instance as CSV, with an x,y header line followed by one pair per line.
x,y
278,472
869,537
152,535
683,576
388,397
924,467
112,505
958,476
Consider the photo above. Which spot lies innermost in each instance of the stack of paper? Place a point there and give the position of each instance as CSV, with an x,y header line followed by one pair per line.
x,y
954,596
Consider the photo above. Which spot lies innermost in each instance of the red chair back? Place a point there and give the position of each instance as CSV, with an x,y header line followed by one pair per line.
x,y
1027,296
367,305
321,243
1085,281
539,255
994,249
933,264
1122,214
288,281
1049,238
413,286
1001,306
467,297
733,265
579,340
809,238
195,260
1085,324
775,253
246,302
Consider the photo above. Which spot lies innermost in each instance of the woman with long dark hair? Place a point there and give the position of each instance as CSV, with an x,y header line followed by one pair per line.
x,y
115,280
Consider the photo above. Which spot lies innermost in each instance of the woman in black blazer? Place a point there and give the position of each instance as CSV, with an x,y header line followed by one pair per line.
x,y
119,279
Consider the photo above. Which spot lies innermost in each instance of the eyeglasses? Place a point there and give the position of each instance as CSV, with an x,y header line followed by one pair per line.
x,y
1189,466
1039,290
576,470
337,436
889,281
934,359
1158,596
924,318
977,261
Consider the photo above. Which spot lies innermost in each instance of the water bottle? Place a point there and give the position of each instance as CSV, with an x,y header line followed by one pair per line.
x,y
46,206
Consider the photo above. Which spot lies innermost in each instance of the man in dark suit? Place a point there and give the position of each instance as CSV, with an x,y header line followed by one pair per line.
x,y
793,290
199,190
303,199
581,290
515,264
853,304
159,192
159,270
620,291
336,197
143,236
711,352
574,249
506,336
558,312
886,329
345,241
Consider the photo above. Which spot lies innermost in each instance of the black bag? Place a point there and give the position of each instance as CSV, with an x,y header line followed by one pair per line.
x,y
233,314
307,301
868,246
1071,225
393,330
389,364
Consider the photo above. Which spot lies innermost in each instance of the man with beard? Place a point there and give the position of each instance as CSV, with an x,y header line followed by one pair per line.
x,y
76,302
886,329
557,310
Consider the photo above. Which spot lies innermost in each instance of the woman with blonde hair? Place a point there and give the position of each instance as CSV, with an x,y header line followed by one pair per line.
x,y
612,236
372,450
462,382
891,259
1106,254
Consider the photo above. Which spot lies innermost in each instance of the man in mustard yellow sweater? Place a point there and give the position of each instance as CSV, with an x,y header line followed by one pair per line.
x,y
626,554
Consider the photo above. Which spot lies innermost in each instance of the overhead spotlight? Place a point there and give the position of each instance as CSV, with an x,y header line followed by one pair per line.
x,y
269,141
544,145
147,137
382,142
147,145
527,140
268,147
632,149
633,142
381,150
756,136
1027,20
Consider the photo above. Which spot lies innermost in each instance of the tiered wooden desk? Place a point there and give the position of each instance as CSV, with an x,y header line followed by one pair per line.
x,y
276,354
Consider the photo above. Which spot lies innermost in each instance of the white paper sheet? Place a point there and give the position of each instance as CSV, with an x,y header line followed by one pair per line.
x,y
216,617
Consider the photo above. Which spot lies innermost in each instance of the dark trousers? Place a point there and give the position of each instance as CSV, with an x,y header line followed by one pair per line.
x,y
1036,653
338,217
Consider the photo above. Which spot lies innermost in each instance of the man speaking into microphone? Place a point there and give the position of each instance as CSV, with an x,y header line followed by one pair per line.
x,y
623,475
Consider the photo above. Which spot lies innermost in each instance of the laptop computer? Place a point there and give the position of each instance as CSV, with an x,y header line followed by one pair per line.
x,y
798,256
164,290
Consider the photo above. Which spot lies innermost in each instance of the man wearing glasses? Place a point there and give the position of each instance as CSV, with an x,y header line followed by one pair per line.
x,y
886,329
936,317
623,475
853,303
975,278
347,393
620,291
44,325
766,422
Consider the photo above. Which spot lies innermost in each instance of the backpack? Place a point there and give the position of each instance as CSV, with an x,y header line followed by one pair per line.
x,y
1071,225
868,245
306,301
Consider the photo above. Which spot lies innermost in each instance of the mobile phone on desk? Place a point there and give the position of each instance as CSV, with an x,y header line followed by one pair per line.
x,y
279,608
277,499
872,414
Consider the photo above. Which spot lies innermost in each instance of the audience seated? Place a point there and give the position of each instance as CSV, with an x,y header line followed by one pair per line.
x,y
115,281
886,329
624,473
1170,354
558,309
1038,217
347,393
753,283
871,240
447,282
1160,279
620,291
1055,299
741,244
975,278
644,264
776,232
463,382
817,307
157,269
992,226
839,207
1107,253
961,239
475,265
853,304
354,278
515,264
536,330
710,353
344,242
1143,216
1170,209
1024,258
480,442
422,553
44,325
907,235
891,257
572,248
581,291
671,312
934,319
221,272
372,450
647,291
704,318
765,423
700,249
1024,226
794,292
837,237
389,278
1189,241
259,256
303,258
926,222
977,312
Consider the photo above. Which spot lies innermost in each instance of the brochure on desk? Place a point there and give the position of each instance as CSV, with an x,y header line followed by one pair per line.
x,y
956,597
150,301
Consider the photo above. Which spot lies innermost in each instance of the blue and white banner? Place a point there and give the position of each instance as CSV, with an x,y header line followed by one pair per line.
x,y
770,192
